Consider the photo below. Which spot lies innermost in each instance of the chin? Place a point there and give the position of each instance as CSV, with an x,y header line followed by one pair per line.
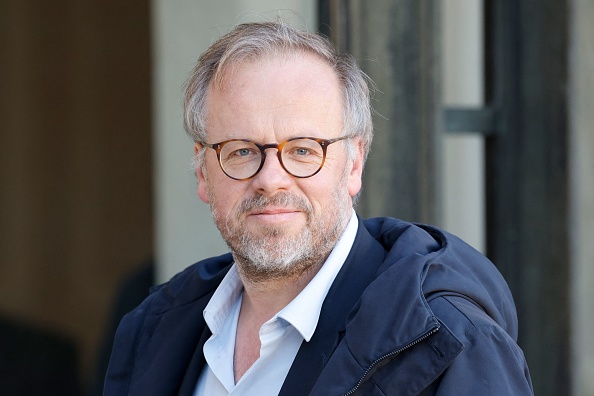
x,y
276,231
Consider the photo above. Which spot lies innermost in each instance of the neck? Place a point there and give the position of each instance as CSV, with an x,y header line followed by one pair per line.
x,y
265,298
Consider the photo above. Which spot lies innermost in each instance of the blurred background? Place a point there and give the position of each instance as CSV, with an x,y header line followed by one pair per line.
x,y
484,126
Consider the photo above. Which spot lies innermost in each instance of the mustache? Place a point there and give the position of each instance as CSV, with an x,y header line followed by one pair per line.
x,y
281,200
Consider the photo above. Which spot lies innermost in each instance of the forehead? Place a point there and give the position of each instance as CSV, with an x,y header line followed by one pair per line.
x,y
289,94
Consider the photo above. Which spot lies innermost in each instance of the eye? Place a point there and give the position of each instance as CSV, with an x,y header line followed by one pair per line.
x,y
237,153
301,151
242,152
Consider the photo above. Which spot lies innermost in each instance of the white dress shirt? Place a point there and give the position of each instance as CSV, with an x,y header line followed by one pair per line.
x,y
280,337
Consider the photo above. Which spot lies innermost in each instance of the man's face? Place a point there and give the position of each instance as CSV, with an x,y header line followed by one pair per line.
x,y
277,225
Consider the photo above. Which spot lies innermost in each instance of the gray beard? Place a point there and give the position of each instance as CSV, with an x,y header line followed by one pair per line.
x,y
273,254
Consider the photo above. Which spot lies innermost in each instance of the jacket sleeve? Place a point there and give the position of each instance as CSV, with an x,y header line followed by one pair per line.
x,y
121,363
491,363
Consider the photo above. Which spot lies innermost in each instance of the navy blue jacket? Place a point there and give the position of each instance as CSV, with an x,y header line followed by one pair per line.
x,y
413,311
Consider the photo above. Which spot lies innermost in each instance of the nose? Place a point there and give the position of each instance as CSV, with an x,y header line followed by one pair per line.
x,y
272,177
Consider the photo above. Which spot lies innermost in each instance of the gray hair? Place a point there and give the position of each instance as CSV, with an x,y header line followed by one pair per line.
x,y
252,41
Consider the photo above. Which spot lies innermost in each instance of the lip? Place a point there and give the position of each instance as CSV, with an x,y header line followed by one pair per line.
x,y
274,214
272,211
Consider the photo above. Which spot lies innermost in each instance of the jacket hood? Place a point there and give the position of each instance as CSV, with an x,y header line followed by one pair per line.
x,y
450,267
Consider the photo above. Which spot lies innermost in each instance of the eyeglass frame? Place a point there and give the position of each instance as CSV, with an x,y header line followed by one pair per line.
x,y
324,143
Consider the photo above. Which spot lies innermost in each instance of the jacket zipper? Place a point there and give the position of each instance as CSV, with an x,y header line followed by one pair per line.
x,y
393,353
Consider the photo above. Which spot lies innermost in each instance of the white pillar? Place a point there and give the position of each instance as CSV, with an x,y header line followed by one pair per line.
x,y
463,168
581,119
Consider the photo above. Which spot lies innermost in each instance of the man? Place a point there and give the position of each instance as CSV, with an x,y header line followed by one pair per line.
x,y
311,299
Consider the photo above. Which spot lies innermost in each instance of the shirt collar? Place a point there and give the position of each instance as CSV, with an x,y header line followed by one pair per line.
x,y
303,312
223,301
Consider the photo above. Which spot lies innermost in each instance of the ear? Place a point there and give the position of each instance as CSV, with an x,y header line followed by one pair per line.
x,y
356,168
202,183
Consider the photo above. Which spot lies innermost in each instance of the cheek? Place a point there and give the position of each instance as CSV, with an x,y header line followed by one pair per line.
x,y
223,198
208,182
324,194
